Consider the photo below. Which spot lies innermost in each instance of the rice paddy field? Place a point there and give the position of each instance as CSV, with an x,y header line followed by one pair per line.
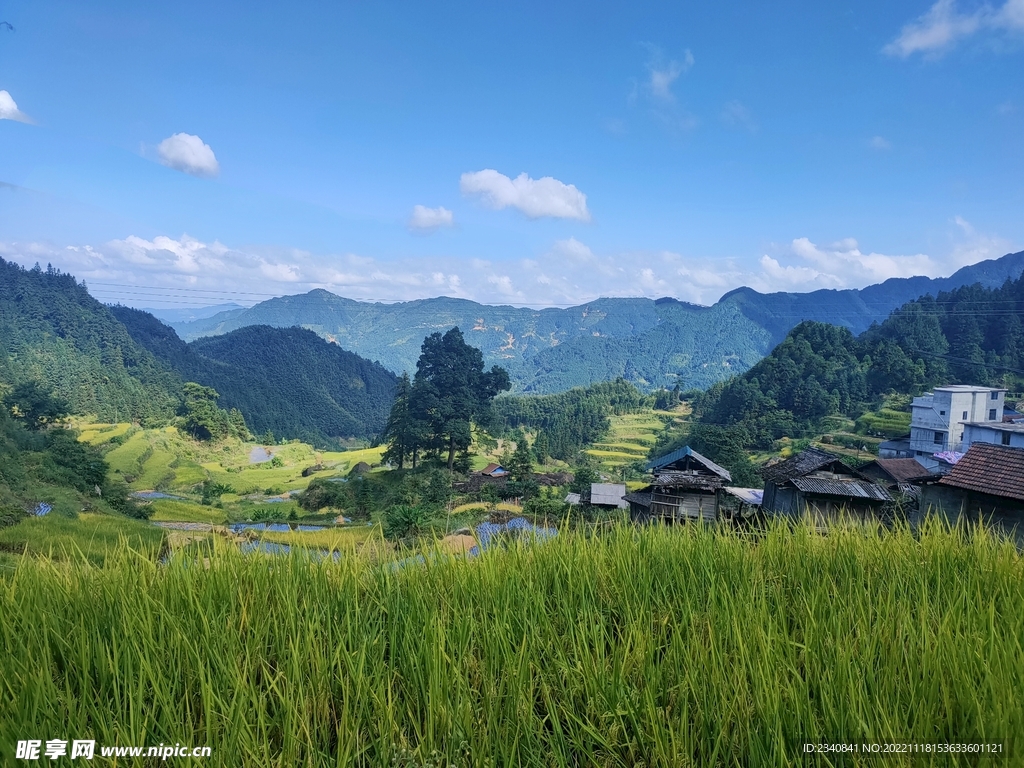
x,y
631,437
174,466
648,646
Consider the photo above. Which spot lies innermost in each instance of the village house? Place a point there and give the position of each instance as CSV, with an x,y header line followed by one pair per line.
x,y
684,486
937,418
988,481
817,482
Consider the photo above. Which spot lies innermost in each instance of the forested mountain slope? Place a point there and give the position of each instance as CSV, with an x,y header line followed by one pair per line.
x,y
54,333
287,381
549,350
649,343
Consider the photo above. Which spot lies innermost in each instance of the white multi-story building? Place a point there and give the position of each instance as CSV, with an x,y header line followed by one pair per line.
x,y
938,418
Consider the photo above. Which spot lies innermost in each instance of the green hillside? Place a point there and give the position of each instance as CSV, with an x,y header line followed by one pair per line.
x,y
287,381
54,333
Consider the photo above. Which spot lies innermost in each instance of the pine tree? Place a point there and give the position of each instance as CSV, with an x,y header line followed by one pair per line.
x,y
451,390
520,465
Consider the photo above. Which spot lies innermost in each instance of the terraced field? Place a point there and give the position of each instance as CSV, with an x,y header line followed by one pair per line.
x,y
632,436
164,460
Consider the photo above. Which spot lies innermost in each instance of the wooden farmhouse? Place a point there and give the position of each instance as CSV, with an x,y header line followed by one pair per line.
x,y
899,476
987,482
684,486
819,483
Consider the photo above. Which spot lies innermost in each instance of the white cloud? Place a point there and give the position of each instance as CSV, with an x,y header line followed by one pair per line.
x,y
880,143
943,25
568,272
662,76
9,110
426,220
736,115
536,198
187,153
573,249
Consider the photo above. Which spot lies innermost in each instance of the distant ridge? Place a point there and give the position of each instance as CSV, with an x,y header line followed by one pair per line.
x,y
190,314
651,343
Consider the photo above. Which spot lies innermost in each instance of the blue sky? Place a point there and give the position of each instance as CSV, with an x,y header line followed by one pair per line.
x,y
529,153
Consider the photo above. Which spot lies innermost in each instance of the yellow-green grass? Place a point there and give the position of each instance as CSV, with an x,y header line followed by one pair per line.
x,y
503,506
583,650
97,434
90,536
172,510
336,539
157,471
125,458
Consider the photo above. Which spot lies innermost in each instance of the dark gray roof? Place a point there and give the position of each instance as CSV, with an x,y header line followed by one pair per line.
x,y
638,497
900,470
841,487
803,463
686,480
682,453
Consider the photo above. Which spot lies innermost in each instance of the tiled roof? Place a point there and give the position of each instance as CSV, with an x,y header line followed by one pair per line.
x,y
682,453
841,487
804,462
993,469
900,470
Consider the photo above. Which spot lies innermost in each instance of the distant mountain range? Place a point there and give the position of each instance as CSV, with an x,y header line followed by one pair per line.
x,y
188,314
652,343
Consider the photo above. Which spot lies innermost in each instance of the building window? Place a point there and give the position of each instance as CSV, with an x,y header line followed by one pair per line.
x,y
965,415
995,395
1006,438
991,414
919,453
942,413
938,438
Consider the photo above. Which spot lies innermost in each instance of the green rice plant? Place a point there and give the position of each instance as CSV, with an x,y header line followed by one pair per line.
x,y
89,537
157,471
165,510
653,646
125,458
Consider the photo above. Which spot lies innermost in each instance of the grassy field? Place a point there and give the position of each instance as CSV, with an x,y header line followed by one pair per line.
x,y
654,647
88,536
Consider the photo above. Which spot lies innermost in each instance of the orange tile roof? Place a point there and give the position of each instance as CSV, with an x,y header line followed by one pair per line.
x,y
993,469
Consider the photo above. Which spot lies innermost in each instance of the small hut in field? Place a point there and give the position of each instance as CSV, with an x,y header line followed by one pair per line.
x,y
684,486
